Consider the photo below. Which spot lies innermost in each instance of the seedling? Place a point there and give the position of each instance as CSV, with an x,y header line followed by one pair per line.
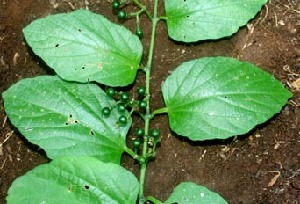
x,y
83,128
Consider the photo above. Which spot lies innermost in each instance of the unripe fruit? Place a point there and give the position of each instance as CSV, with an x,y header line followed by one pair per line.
x,y
139,132
124,97
115,5
139,32
110,92
122,120
141,91
121,108
136,144
122,14
143,104
155,133
106,112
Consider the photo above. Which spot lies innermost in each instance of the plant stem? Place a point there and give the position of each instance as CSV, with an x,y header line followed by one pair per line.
x,y
148,115
130,152
142,7
160,111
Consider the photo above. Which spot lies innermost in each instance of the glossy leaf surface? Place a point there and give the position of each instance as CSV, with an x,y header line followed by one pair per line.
x,y
83,46
191,193
218,97
75,180
65,118
193,20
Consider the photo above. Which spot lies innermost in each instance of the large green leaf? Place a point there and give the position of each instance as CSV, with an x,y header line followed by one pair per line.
x,y
218,97
191,193
193,20
65,118
83,46
75,180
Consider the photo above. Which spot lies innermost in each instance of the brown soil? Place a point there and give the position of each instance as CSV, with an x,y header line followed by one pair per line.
x,y
260,167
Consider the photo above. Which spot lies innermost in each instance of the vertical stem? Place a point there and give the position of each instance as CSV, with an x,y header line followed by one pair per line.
x,y
148,117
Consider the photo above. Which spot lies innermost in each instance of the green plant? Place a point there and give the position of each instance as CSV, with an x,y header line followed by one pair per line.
x,y
83,129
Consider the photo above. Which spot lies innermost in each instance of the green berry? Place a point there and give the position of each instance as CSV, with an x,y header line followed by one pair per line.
x,y
115,5
142,160
139,132
143,104
141,91
124,97
136,144
122,120
139,32
110,92
121,108
106,112
122,14
155,133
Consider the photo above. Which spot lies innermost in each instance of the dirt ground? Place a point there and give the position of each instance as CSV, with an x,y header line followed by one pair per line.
x,y
260,167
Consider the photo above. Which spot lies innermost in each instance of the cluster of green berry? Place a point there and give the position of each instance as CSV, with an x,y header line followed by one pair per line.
x,y
125,103
124,97
116,6
138,105
152,140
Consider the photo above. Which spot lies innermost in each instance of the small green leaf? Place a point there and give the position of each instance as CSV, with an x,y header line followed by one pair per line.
x,y
218,97
65,118
83,46
193,20
75,180
191,193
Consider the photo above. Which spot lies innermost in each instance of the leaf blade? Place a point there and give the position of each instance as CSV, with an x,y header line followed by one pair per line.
x,y
191,193
216,98
65,118
75,180
201,20
83,46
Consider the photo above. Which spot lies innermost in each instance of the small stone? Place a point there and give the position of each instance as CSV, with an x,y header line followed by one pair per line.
x,y
296,84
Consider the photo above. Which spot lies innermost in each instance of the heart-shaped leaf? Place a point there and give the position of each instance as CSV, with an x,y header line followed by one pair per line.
x,y
191,193
65,118
75,180
193,20
218,97
83,46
